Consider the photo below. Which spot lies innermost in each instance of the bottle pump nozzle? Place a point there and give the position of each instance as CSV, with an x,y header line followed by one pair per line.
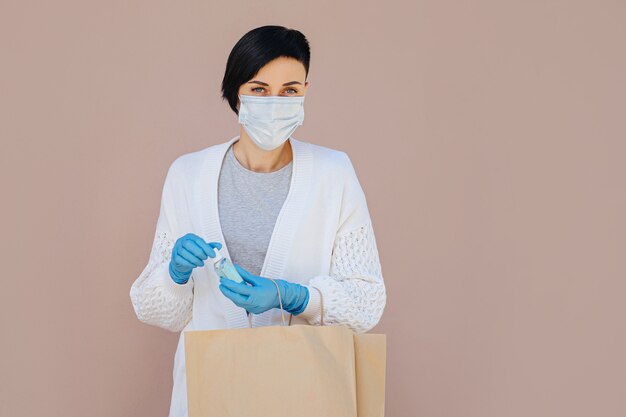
x,y
218,255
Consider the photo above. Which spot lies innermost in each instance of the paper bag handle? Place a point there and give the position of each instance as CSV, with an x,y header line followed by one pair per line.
x,y
282,312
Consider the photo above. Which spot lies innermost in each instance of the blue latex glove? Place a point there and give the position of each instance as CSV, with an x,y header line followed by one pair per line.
x,y
189,252
258,294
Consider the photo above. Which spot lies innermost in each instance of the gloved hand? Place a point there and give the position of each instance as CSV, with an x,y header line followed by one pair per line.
x,y
189,252
258,294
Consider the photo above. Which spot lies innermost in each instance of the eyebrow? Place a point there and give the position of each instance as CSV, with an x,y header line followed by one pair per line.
x,y
267,85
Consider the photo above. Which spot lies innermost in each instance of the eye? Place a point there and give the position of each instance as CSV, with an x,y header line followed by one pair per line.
x,y
255,89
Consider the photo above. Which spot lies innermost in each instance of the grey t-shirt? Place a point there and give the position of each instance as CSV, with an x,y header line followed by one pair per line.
x,y
249,203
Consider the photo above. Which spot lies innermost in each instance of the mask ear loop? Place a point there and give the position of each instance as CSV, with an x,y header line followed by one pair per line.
x,y
321,306
280,301
282,312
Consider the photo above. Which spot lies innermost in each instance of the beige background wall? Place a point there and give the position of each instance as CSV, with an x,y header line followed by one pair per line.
x,y
489,138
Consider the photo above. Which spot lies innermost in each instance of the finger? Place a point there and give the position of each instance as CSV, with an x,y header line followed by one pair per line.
x,y
239,288
235,297
215,245
195,247
207,250
247,276
180,261
190,257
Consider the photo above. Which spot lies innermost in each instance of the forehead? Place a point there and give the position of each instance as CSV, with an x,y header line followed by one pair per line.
x,y
281,70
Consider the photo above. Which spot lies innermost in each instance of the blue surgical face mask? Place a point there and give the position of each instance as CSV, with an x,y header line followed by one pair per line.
x,y
270,120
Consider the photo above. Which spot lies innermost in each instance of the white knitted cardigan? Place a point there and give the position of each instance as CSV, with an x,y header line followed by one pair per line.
x,y
323,238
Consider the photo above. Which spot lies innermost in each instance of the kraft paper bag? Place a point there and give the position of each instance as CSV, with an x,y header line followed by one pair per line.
x,y
299,370
370,358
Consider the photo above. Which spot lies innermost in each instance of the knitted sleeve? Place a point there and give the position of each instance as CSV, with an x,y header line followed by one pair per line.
x,y
353,293
157,299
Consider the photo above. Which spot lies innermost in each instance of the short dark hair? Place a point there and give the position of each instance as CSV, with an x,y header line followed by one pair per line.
x,y
254,50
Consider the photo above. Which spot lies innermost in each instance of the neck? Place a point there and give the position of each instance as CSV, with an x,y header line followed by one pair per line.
x,y
259,160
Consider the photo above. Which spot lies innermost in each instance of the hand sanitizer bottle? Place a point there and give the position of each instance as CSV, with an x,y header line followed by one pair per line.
x,y
225,268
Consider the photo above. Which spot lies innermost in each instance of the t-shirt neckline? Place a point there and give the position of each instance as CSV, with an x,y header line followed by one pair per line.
x,y
236,163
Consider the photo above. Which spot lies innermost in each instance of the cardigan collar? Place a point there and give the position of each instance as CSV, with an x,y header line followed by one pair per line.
x,y
282,238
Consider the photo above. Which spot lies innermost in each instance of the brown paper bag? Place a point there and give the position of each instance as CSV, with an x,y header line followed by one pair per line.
x,y
299,370
370,351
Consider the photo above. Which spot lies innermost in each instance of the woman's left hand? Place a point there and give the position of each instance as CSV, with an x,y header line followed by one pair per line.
x,y
258,294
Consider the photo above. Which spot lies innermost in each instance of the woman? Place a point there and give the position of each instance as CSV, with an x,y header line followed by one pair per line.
x,y
278,207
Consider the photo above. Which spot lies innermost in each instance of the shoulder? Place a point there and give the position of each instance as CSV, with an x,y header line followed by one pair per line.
x,y
334,167
191,160
337,162
328,158
190,164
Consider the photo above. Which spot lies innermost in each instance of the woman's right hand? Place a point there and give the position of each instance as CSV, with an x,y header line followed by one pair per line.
x,y
189,252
